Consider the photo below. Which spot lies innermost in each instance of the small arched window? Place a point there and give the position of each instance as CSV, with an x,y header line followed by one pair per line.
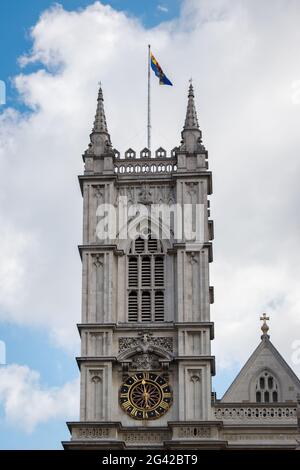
x,y
267,388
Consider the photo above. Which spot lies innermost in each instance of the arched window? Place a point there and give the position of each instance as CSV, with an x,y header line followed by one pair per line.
x,y
266,389
146,280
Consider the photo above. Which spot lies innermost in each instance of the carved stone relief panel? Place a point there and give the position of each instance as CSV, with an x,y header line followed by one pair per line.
x,y
144,341
95,388
194,398
99,280
145,361
148,194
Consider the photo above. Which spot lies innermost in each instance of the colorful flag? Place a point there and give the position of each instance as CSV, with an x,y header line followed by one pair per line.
x,y
163,80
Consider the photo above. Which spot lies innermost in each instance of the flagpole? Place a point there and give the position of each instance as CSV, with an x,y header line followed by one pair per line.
x,y
149,103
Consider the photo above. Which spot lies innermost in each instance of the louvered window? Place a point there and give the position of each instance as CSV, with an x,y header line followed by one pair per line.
x,y
146,281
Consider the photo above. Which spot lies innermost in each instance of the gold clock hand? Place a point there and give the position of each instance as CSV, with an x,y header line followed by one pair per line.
x,y
146,400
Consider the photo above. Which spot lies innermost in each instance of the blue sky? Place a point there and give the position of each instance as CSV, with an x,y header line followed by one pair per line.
x,y
17,17
33,346
238,63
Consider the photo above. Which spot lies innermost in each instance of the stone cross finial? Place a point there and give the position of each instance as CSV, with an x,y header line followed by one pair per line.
x,y
264,326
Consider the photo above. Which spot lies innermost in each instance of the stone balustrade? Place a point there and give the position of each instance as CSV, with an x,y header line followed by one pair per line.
x,y
145,163
255,412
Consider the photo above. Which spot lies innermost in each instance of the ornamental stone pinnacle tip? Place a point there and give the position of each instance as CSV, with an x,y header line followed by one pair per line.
x,y
191,120
100,119
100,139
264,327
191,134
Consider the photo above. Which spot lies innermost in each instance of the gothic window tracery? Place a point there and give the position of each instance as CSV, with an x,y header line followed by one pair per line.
x,y
266,389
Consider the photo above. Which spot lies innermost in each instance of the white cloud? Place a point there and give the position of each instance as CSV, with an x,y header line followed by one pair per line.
x,y
13,247
162,8
246,292
27,403
244,74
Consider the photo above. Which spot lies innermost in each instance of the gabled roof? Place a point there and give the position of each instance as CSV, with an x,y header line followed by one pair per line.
x,y
273,361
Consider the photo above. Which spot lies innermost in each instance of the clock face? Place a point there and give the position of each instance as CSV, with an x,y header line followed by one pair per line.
x,y
145,396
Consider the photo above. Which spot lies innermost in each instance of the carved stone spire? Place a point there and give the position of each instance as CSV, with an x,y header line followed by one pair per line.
x,y
100,139
191,120
191,133
100,119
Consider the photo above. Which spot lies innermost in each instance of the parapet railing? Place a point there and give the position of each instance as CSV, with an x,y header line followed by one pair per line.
x,y
255,412
144,163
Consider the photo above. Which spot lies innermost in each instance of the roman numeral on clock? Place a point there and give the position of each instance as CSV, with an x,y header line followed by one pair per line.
x,y
164,405
134,412
126,405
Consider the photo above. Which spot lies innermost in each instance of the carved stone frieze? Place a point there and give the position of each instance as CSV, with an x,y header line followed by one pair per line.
x,y
93,433
148,194
195,432
145,352
144,341
145,437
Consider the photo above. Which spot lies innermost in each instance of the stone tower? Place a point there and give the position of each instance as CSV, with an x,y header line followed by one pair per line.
x,y
146,363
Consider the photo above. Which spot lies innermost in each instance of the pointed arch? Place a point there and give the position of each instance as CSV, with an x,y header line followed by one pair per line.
x,y
265,386
151,226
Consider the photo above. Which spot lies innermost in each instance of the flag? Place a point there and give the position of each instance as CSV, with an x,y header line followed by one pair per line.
x,y
163,80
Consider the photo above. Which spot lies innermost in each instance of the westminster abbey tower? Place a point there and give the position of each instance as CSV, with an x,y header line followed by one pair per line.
x,y
146,365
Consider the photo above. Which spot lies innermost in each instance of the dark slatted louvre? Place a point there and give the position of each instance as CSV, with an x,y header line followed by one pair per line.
x,y
146,306
159,306
139,245
133,306
159,271
152,245
133,272
146,271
